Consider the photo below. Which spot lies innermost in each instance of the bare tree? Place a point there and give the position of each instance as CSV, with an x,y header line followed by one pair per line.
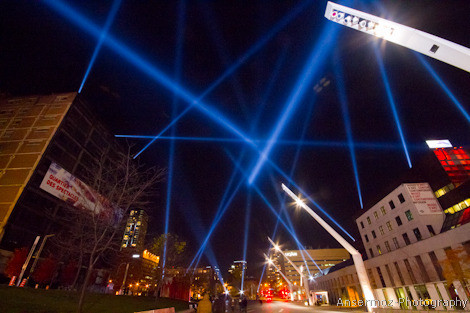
x,y
116,183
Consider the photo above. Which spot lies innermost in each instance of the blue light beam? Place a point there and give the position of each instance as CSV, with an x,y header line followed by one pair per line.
x,y
179,57
270,206
391,100
340,82
107,25
444,87
313,65
229,71
145,66
247,231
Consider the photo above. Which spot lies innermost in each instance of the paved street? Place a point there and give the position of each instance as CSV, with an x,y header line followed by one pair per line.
x,y
287,307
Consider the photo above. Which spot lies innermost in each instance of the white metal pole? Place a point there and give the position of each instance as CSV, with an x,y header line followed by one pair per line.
x,y
357,258
25,264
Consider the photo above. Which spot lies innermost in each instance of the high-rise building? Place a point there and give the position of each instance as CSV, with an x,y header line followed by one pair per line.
x,y
41,136
27,126
237,265
135,231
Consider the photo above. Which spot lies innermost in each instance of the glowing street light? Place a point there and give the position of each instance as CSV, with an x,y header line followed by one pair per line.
x,y
270,262
430,45
357,258
300,271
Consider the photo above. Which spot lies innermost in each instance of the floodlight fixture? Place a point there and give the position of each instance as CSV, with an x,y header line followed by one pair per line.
x,y
136,256
422,42
443,143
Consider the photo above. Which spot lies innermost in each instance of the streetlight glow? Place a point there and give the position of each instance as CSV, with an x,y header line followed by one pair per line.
x,y
357,257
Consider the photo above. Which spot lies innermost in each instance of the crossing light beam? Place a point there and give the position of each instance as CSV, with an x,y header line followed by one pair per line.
x,y
357,257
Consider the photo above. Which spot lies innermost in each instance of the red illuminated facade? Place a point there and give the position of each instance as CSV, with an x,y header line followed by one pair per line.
x,y
456,163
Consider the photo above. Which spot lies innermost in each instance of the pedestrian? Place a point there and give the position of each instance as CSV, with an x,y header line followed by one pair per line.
x,y
243,304
219,304
205,305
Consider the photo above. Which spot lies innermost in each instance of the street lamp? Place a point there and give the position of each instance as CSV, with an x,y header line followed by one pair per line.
x,y
430,45
357,257
123,285
270,262
39,252
302,277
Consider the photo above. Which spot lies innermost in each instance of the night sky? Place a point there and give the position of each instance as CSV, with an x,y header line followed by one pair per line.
x,y
42,52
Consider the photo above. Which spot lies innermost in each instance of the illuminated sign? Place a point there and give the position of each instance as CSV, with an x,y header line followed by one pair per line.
x,y
150,256
434,144
291,253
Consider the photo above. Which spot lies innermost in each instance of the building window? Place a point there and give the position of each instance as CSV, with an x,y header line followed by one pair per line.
x,y
389,273
376,215
389,226
401,198
381,277
373,234
431,230
417,234
437,265
409,216
387,246
395,242
422,268
379,250
362,225
392,205
367,238
399,273
383,210
410,271
368,220
406,238
381,229
398,219
371,253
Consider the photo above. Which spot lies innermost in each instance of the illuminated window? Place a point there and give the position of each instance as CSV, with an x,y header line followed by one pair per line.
x,y
368,220
389,226
409,216
383,210
376,215
379,250
395,242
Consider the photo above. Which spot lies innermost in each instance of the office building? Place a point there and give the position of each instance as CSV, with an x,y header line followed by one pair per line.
x,y
135,231
45,141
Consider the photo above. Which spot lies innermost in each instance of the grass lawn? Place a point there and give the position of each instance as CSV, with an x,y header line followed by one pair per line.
x,y
27,300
